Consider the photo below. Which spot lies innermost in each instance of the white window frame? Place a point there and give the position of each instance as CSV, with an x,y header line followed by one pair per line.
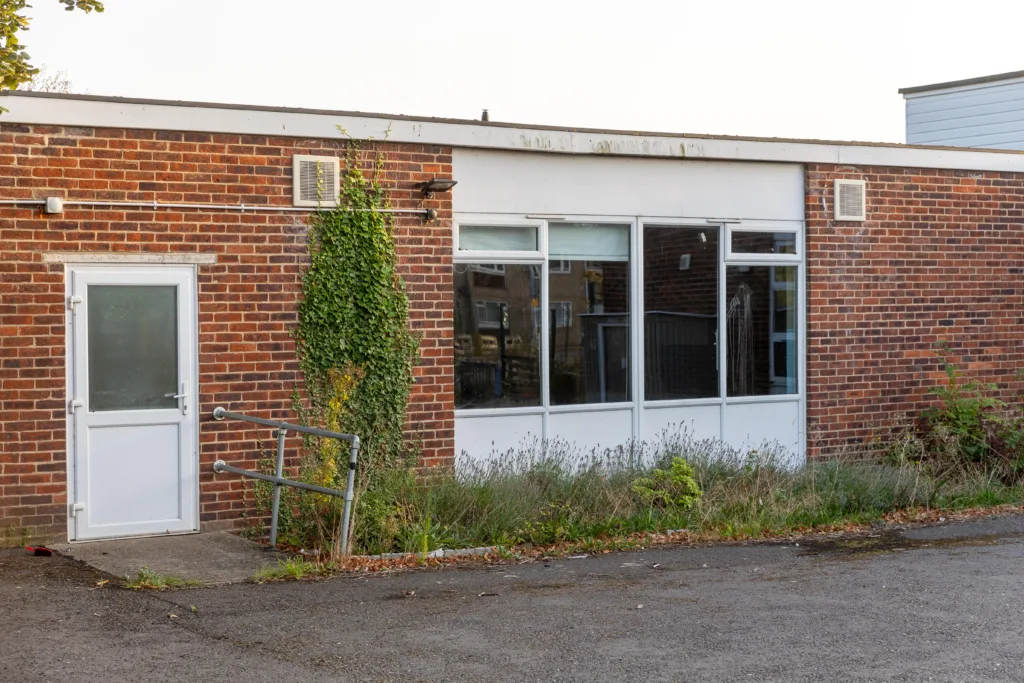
x,y
491,256
772,228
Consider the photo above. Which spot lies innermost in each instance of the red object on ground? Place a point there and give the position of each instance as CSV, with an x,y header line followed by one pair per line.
x,y
39,550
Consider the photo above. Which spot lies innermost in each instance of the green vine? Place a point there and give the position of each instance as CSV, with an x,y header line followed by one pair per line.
x,y
355,348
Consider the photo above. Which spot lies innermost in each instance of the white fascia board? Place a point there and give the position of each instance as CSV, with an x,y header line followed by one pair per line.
x,y
248,121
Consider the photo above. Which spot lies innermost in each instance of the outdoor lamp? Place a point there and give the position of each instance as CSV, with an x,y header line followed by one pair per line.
x,y
438,185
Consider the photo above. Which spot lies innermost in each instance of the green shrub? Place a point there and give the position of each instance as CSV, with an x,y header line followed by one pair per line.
x,y
672,490
970,431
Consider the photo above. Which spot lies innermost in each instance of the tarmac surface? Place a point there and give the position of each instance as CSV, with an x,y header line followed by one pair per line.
x,y
942,603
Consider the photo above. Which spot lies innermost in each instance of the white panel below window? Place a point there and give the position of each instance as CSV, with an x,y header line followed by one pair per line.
x,y
752,425
699,422
486,438
586,431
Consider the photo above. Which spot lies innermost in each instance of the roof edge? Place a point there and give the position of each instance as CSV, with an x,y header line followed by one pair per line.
x,y
451,121
979,80
92,111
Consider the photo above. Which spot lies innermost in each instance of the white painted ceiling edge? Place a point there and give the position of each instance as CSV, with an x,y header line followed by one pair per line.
x,y
213,118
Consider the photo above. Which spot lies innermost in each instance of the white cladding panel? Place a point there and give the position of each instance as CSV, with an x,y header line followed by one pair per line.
x,y
485,438
989,115
597,430
699,422
752,425
530,183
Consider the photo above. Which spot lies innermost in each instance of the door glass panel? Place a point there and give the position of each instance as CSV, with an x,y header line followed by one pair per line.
x,y
133,347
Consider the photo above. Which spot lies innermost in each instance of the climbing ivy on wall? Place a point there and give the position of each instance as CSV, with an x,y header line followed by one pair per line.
x,y
355,348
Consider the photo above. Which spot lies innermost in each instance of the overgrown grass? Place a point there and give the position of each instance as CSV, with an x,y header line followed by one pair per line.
x,y
293,568
535,496
147,579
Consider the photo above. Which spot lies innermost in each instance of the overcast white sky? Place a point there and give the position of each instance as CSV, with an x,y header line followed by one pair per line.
x,y
821,69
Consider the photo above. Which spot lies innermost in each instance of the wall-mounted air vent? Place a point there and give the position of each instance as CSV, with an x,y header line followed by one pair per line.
x,y
851,200
316,181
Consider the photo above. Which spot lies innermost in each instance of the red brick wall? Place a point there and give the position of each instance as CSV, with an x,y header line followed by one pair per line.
x,y
247,300
940,259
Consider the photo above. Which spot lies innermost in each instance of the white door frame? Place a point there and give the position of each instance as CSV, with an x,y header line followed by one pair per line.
x,y
128,274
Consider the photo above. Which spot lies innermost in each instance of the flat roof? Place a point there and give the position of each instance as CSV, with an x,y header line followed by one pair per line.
x,y
94,111
979,80
434,119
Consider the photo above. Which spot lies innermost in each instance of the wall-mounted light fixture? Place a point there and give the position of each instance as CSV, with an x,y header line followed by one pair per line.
x,y
437,185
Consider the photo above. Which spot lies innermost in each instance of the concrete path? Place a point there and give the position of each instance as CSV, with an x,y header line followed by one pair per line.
x,y
937,604
209,558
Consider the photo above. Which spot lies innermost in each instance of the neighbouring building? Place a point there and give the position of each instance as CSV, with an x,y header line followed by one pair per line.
x,y
587,285
983,112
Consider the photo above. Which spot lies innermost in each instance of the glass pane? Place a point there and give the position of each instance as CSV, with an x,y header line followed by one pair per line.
x,y
593,241
497,335
588,296
764,242
784,310
497,238
133,347
755,327
680,312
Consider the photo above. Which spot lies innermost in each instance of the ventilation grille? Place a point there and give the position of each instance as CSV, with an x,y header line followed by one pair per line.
x,y
316,181
851,200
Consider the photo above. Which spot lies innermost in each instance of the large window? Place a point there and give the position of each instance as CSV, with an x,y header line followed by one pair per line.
x,y
543,312
680,312
588,296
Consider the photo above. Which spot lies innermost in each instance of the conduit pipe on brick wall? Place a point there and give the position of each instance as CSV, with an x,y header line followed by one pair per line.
x,y
428,214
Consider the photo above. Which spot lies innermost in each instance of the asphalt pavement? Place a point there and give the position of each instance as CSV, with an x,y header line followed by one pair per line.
x,y
943,603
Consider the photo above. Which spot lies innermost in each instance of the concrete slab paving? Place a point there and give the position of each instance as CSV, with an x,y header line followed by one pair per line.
x,y
211,558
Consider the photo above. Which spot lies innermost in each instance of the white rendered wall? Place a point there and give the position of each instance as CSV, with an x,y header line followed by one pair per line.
x,y
534,183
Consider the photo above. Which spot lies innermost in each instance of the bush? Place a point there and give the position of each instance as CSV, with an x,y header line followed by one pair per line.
x,y
970,431
672,490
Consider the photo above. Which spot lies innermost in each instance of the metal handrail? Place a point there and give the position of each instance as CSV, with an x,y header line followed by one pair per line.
x,y
278,481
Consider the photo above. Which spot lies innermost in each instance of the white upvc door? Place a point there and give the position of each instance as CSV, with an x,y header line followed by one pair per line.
x,y
132,413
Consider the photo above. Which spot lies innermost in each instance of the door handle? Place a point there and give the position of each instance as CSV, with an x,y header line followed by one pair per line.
x,y
183,397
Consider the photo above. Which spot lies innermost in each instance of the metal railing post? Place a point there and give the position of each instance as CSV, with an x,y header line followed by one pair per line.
x,y
281,433
349,490
278,480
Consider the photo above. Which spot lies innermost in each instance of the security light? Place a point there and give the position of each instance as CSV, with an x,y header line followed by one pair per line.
x,y
438,185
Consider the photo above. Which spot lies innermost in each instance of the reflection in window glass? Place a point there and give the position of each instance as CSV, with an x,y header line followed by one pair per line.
x,y
588,293
761,306
497,335
764,243
680,312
